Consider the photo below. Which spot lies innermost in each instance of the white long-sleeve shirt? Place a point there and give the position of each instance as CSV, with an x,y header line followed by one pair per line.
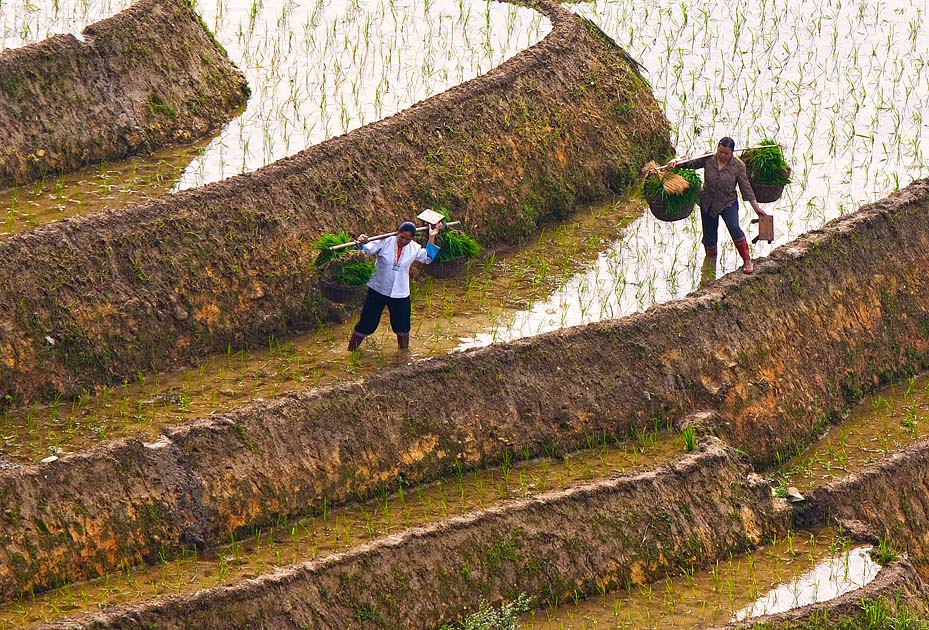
x,y
391,276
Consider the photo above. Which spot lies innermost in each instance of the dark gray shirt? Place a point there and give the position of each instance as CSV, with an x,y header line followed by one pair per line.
x,y
719,184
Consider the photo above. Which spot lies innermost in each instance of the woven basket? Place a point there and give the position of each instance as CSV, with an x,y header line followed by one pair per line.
x,y
766,193
341,293
661,211
446,268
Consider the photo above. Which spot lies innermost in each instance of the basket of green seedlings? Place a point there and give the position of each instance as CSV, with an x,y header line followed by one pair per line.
x,y
456,249
671,194
767,170
344,273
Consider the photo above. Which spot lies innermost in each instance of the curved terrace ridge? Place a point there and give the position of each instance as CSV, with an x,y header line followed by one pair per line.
x,y
607,532
148,77
91,300
766,360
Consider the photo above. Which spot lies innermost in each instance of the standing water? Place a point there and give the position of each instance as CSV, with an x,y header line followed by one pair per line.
x,y
335,530
837,84
888,421
803,568
316,70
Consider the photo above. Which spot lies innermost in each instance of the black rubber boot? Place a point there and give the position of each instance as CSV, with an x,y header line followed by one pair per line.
x,y
355,341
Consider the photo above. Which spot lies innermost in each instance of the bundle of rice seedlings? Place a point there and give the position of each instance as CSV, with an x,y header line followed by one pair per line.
x,y
348,267
671,180
455,243
675,203
766,165
324,242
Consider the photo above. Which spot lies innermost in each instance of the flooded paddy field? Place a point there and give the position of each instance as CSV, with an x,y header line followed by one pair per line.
x,y
447,312
315,71
889,421
846,113
530,540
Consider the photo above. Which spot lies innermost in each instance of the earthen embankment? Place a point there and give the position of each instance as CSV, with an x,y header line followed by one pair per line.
x,y
896,591
824,319
624,531
94,300
890,497
148,77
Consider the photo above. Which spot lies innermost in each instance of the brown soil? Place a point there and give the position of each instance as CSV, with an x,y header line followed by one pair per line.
x,y
889,498
145,78
823,319
93,300
627,531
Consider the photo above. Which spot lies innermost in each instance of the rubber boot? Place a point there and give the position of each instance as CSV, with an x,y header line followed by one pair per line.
x,y
355,341
742,246
403,341
711,252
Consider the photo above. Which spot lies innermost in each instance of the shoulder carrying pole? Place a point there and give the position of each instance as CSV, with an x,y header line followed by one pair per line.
x,y
697,157
384,235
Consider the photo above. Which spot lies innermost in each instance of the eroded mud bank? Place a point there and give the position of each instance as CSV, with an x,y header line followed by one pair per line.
x,y
889,498
772,355
628,530
145,78
150,286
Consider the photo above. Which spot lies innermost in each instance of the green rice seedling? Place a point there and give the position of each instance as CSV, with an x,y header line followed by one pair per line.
x,y
885,553
676,204
347,267
766,164
690,438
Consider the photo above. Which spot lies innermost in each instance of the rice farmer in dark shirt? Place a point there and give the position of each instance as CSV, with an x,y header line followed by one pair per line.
x,y
390,284
722,171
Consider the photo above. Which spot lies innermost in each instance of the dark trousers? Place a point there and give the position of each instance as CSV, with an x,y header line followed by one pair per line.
x,y
375,302
730,216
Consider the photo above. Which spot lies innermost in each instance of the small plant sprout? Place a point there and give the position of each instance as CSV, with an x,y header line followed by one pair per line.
x,y
689,436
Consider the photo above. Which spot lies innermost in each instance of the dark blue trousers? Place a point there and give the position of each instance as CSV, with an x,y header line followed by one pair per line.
x,y
730,216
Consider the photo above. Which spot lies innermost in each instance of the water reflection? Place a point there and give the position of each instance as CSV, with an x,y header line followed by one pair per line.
x,y
798,570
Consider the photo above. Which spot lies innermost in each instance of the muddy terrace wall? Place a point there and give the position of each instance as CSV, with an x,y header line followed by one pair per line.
x,y
624,531
824,319
147,77
154,285
889,497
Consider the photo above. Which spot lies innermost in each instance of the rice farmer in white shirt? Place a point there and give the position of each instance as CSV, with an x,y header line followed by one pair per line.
x,y
390,284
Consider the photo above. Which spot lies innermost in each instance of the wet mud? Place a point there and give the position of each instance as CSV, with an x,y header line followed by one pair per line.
x,y
896,592
572,542
148,77
889,498
797,569
772,355
339,529
155,285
